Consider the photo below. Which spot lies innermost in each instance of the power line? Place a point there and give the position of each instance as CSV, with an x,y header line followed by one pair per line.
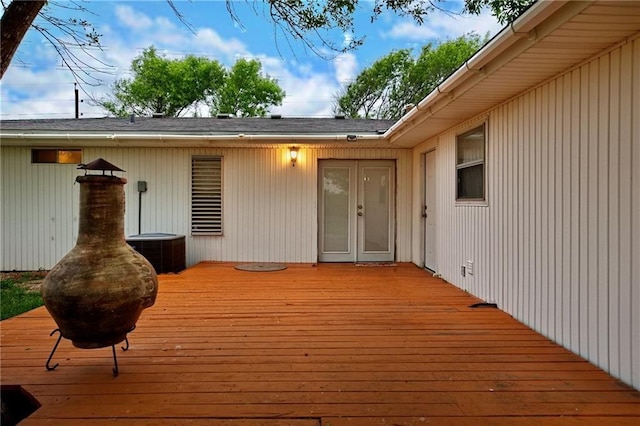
x,y
47,114
40,84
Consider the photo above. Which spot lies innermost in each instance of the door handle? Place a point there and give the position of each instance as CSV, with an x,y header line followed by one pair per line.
x,y
359,213
424,215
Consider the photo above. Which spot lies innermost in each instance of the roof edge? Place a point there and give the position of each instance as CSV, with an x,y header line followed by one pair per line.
x,y
167,139
539,20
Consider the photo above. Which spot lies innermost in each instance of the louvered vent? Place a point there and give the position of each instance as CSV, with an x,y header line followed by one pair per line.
x,y
206,195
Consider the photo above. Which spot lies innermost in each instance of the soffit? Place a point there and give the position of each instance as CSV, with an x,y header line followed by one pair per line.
x,y
598,27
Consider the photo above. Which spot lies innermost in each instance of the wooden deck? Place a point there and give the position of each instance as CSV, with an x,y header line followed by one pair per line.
x,y
329,345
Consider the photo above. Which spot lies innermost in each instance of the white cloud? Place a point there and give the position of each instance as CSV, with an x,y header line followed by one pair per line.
x,y
308,93
132,19
308,96
211,42
441,26
347,39
346,66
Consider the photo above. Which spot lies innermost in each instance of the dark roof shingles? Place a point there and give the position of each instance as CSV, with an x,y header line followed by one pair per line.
x,y
202,125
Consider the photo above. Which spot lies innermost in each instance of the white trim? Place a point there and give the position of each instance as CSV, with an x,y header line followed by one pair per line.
x,y
112,139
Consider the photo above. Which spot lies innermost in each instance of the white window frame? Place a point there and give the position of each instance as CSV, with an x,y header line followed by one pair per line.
x,y
206,195
482,201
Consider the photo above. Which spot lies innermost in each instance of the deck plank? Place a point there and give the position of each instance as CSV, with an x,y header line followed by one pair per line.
x,y
314,345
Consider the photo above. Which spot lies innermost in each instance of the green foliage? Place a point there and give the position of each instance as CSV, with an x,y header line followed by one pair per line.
x,y
161,85
505,11
310,20
172,86
375,86
15,298
245,93
397,79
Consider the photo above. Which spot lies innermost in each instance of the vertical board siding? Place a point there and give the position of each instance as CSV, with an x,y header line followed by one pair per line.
x,y
558,244
39,211
269,207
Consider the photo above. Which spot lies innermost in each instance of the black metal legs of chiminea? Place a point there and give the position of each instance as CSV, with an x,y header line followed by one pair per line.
x,y
113,349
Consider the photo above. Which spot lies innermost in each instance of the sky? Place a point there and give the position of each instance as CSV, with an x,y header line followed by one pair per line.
x,y
37,85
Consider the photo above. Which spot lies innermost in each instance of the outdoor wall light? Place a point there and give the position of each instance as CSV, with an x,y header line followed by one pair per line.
x,y
293,154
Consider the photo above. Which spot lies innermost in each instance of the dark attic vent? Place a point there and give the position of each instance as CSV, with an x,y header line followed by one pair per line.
x,y
276,116
224,115
157,115
339,116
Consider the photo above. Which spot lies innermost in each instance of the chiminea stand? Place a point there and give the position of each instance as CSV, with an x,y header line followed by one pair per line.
x,y
113,349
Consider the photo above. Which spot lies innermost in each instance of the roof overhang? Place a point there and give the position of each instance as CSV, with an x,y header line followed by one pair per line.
x,y
548,39
132,139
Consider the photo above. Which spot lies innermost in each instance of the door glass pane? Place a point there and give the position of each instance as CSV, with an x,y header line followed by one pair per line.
x,y
336,209
376,208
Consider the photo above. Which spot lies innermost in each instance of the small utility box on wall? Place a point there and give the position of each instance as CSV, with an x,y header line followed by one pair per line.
x,y
166,252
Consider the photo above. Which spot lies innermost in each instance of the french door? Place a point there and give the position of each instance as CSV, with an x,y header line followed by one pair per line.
x,y
356,203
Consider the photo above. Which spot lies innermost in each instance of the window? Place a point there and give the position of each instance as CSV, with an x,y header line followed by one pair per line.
x,y
206,195
470,152
56,156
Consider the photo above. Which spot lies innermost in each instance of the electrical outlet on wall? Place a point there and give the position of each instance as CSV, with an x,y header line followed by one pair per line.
x,y
470,267
463,271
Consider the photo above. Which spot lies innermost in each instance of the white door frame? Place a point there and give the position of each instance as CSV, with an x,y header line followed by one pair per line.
x,y
353,244
429,209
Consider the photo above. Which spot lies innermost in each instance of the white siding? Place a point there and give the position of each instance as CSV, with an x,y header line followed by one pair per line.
x,y
39,211
558,244
270,208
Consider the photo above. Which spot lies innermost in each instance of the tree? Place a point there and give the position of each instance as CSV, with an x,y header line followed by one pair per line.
x,y
505,11
167,86
307,21
373,88
16,20
396,80
64,35
174,86
245,93
432,67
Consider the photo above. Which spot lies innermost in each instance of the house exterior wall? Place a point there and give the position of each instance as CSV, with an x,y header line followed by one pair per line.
x,y
558,243
270,208
39,211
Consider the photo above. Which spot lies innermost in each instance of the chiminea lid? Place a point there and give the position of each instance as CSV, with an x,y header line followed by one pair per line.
x,y
100,164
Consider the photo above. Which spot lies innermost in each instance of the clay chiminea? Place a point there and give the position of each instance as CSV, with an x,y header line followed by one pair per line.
x,y
97,292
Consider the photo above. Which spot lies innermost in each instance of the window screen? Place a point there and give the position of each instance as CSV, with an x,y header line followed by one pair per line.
x,y
206,195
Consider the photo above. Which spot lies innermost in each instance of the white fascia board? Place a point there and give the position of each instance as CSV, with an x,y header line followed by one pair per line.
x,y
178,140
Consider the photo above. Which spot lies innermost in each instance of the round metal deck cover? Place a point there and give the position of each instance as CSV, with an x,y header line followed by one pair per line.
x,y
261,267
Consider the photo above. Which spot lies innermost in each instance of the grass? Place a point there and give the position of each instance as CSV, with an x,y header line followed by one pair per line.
x,y
16,296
